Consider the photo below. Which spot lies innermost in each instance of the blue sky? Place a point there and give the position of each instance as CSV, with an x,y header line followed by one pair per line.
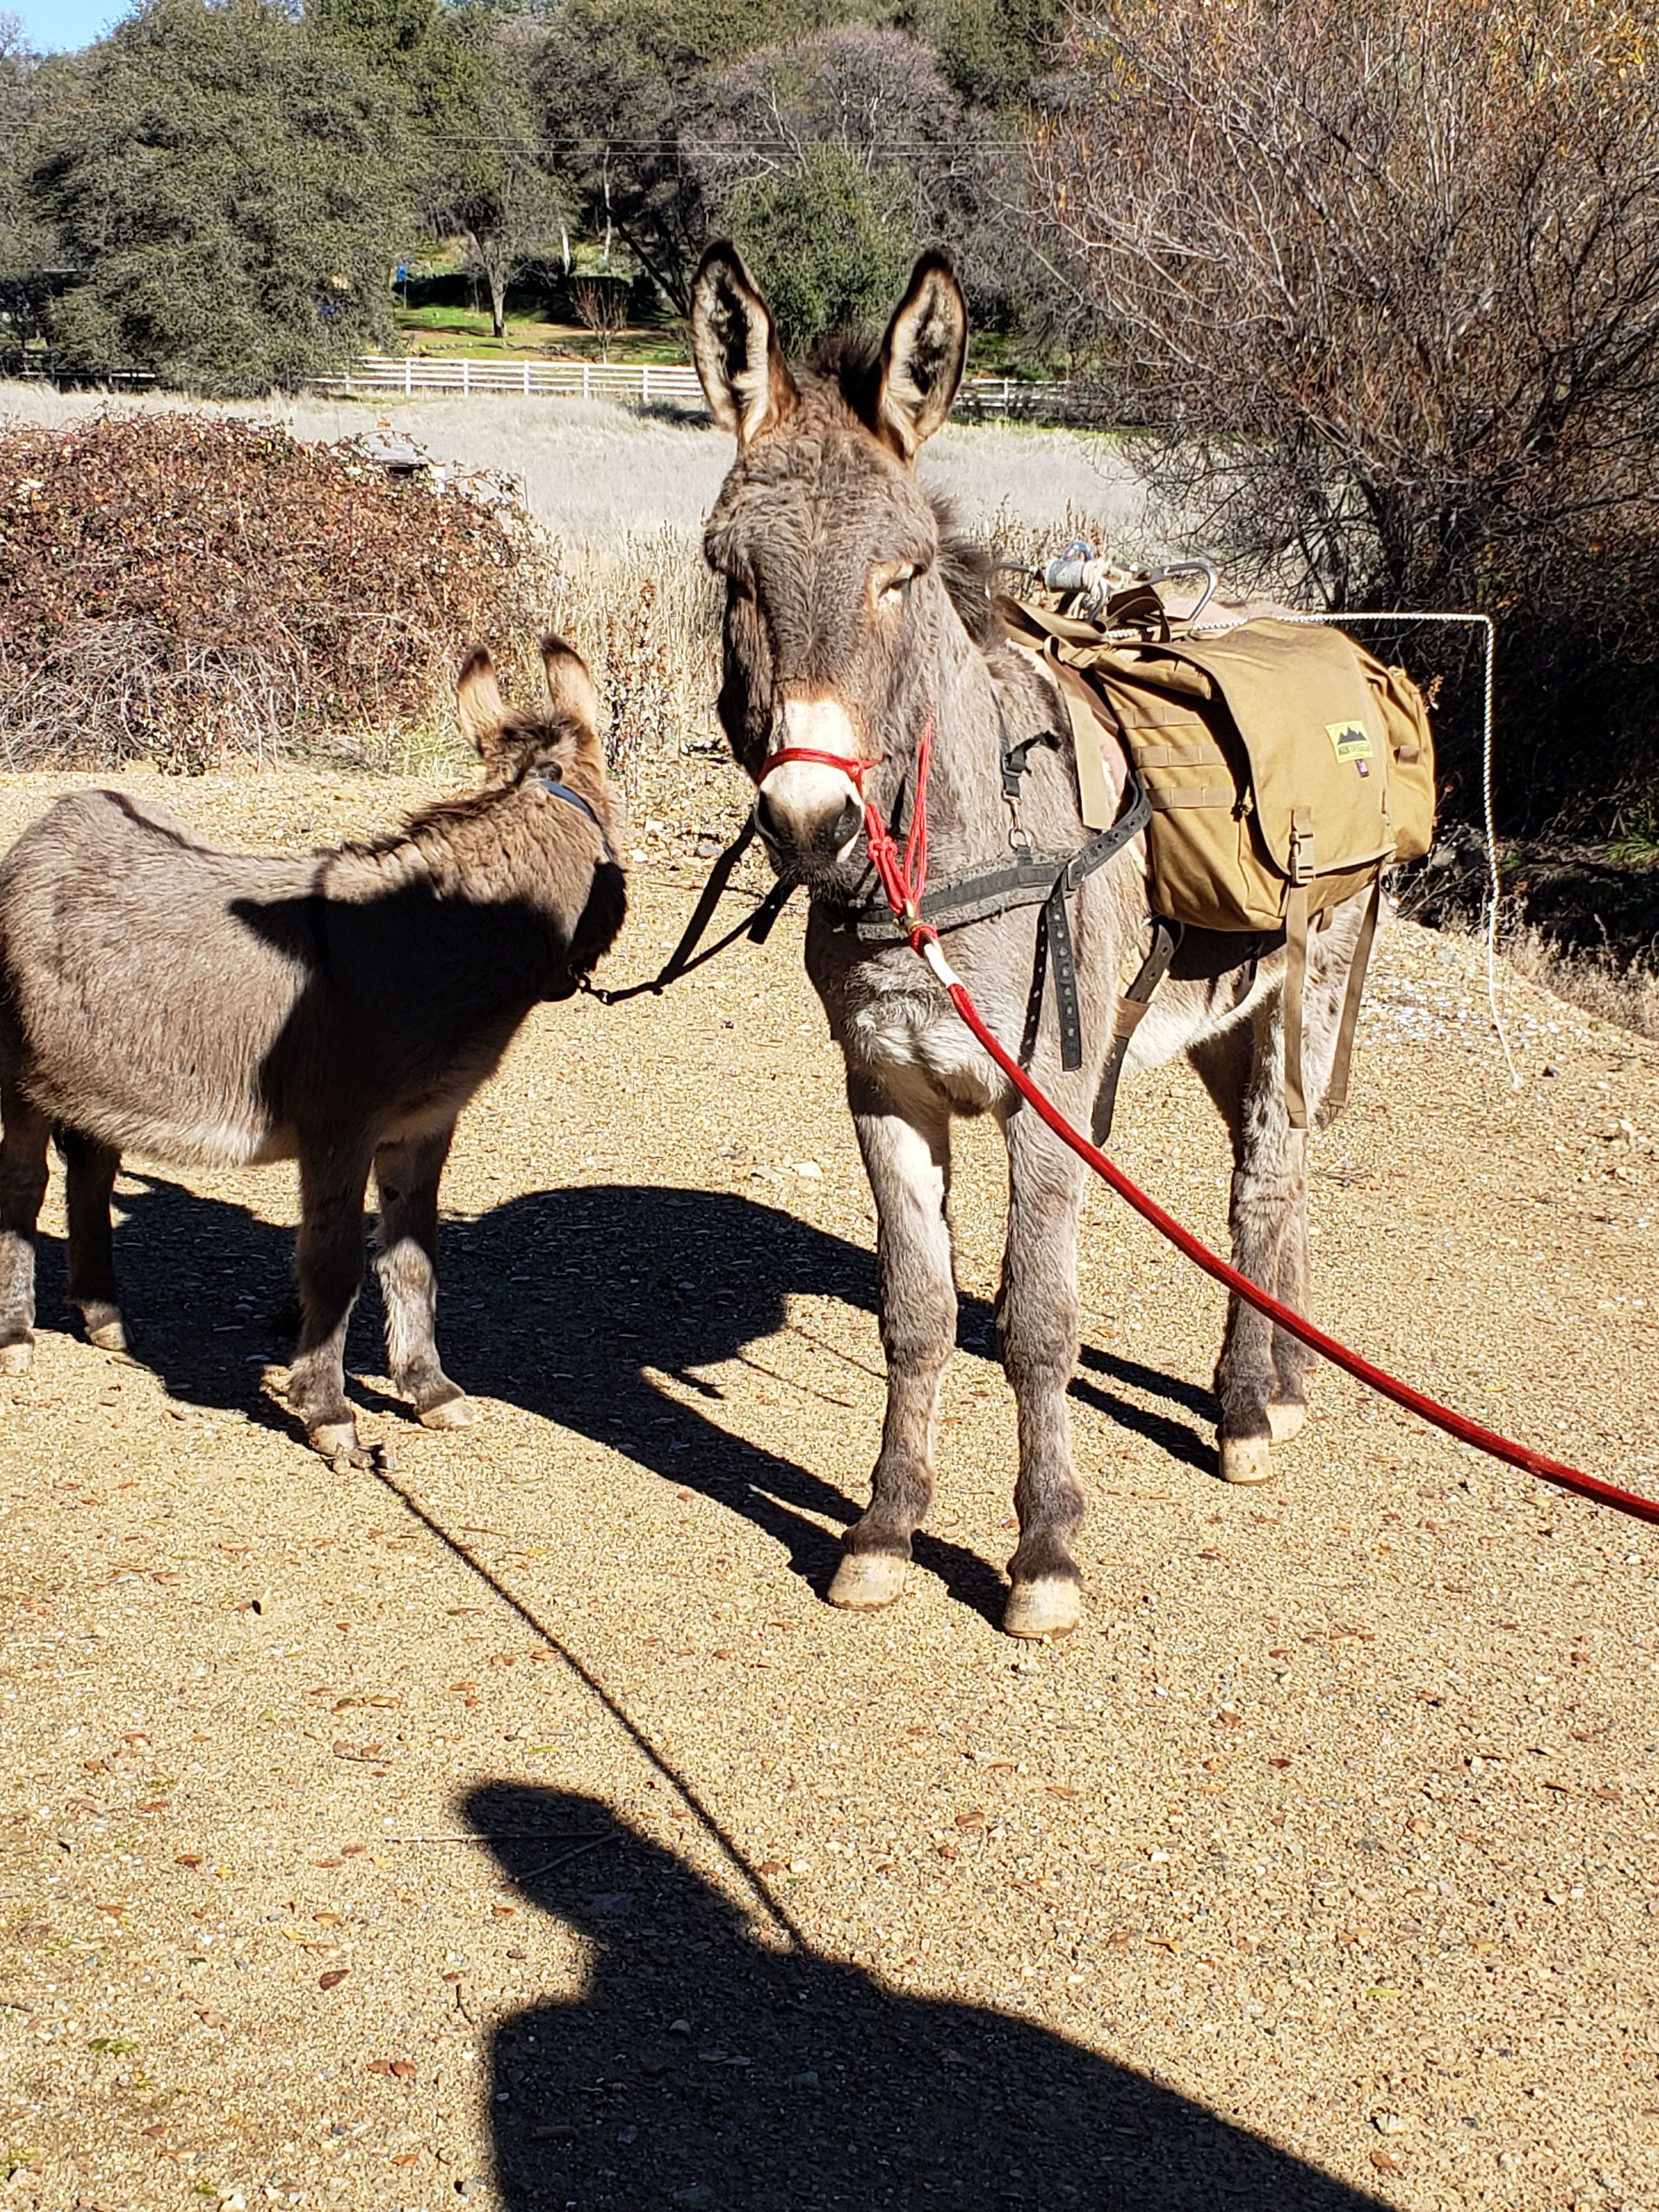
x,y
52,25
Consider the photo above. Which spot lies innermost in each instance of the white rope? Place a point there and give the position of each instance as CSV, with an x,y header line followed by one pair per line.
x,y
1494,885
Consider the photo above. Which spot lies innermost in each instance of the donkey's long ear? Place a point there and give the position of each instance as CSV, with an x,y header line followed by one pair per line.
x,y
479,706
745,379
569,685
922,356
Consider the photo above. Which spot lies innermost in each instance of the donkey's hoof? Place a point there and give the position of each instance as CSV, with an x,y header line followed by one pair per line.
x,y
455,1412
1052,1607
109,1335
866,1580
338,1441
1286,1418
1246,1460
17,1358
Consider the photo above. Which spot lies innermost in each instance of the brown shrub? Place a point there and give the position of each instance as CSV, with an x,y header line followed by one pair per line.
x,y
182,586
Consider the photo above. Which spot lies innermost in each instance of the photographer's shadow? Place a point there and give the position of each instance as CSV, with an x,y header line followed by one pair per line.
x,y
696,2067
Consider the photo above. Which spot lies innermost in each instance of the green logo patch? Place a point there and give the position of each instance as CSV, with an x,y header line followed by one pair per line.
x,y
1350,740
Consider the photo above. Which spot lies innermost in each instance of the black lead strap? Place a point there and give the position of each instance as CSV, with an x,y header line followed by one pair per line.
x,y
756,926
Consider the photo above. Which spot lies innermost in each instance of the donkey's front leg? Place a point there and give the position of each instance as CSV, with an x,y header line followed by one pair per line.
x,y
906,1156
1037,1322
329,1263
406,1177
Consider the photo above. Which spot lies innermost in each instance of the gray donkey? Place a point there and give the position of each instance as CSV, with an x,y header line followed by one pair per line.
x,y
214,1008
856,616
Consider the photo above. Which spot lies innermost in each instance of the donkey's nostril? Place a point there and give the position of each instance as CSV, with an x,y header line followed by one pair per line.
x,y
847,823
766,819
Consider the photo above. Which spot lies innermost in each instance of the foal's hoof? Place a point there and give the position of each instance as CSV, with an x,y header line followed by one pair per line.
x,y
16,1358
866,1580
1286,1418
1052,1607
1246,1460
455,1412
109,1335
338,1441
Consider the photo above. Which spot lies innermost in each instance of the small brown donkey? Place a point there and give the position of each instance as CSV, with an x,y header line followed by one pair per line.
x,y
857,618
212,1009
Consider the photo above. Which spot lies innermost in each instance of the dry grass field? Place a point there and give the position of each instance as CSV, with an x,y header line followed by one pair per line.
x,y
515,1825
593,472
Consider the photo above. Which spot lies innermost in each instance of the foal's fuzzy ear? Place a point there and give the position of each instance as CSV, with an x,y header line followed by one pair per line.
x,y
569,685
479,706
744,376
922,356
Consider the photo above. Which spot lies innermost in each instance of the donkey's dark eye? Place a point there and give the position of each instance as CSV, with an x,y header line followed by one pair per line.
x,y
892,584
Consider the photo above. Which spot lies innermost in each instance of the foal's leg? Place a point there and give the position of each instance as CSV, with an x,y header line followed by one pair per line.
x,y
329,1263
91,1169
906,1156
23,1187
1037,1322
406,1177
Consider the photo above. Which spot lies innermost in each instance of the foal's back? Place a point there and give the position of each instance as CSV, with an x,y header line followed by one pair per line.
x,y
149,978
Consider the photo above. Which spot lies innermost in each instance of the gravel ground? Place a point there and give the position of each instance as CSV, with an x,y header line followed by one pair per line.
x,y
360,1851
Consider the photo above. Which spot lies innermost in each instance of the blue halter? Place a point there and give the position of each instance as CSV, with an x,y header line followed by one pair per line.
x,y
551,783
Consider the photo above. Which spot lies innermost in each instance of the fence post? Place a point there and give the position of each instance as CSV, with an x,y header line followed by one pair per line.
x,y
527,380
466,373
645,384
587,380
408,373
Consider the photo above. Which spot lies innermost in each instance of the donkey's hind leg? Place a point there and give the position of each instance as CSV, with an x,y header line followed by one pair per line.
x,y
906,1156
1260,1396
91,1170
329,1265
406,1177
1261,1378
23,1187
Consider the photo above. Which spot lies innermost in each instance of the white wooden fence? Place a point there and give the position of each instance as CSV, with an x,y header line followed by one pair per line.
x,y
551,380
644,382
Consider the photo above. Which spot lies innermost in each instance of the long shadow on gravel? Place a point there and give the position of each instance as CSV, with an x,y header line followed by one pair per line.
x,y
697,2067
571,1303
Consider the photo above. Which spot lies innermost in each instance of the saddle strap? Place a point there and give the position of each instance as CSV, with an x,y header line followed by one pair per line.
x,y
1296,992
1336,1091
1130,1008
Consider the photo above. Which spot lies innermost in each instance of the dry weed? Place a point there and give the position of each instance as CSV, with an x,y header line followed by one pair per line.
x,y
1618,988
182,587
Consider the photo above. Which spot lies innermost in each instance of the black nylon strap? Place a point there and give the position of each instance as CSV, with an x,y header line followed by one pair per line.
x,y
756,926
1029,879
1166,937
1063,960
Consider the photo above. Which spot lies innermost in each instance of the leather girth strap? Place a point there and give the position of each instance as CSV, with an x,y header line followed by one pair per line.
x,y
1130,1008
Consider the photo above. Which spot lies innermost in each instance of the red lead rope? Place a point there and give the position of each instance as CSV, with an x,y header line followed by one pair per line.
x,y
904,885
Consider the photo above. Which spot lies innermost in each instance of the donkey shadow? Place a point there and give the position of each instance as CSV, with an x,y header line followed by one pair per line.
x,y
697,2067
570,1304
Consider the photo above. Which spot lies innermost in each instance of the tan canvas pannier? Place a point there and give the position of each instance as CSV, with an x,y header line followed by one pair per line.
x,y
1286,768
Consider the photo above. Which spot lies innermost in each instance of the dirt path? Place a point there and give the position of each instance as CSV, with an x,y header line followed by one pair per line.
x,y
521,1824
